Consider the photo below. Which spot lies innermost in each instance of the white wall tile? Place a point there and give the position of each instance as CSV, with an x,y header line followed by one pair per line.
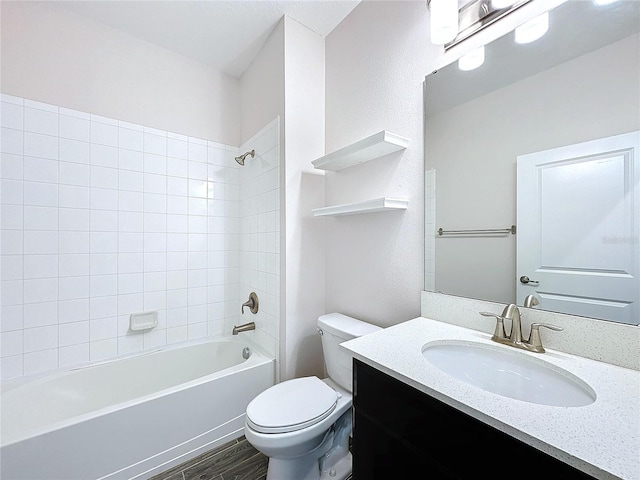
x,y
73,196
74,128
156,144
129,283
74,265
130,139
11,318
12,217
40,218
71,288
74,174
103,349
12,141
11,241
41,194
40,242
154,164
175,167
41,146
73,355
75,242
40,121
11,343
104,199
130,180
104,155
40,170
130,160
11,166
104,177
75,151
104,134
40,266
40,338
73,310
40,361
12,192
11,115
103,218
106,263
40,314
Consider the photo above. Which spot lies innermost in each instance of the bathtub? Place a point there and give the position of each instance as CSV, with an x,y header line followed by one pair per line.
x,y
132,417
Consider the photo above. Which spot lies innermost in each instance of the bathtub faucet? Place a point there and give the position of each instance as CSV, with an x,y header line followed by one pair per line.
x,y
244,327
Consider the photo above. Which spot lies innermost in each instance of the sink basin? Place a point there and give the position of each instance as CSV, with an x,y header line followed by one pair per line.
x,y
510,374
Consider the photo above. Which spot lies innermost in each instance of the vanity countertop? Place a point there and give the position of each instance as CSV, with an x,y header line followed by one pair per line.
x,y
602,439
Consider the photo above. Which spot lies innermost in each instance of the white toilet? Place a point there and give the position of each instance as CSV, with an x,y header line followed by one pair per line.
x,y
303,425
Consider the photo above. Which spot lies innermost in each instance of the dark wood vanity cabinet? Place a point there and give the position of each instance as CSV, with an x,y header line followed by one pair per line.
x,y
400,432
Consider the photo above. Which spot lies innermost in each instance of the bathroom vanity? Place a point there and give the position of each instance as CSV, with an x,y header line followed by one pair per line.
x,y
410,415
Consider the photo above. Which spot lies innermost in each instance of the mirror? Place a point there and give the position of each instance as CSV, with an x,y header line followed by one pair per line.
x,y
579,82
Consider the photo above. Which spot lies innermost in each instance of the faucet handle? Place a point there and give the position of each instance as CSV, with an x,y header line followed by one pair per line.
x,y
535,342
499,331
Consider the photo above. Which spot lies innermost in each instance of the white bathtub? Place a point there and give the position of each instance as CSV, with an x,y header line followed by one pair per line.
x,y
132,417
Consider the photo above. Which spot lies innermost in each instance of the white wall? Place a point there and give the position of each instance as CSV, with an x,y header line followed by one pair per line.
x,y
304,235
286,79
87,66
376,60
485,267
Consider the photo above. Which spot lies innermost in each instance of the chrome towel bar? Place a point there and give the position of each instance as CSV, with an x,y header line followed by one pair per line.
x,y
489,231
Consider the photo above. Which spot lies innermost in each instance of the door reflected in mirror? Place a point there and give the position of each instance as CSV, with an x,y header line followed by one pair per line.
x,y
577,84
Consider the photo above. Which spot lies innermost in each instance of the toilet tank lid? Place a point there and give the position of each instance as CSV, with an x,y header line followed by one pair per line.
x,y
344,326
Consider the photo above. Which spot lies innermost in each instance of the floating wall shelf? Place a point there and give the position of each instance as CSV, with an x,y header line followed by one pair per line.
x,y
382,143
370,206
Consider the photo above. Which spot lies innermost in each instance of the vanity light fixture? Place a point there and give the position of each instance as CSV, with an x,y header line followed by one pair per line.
x,y
533,29
452,21
443,20
471,60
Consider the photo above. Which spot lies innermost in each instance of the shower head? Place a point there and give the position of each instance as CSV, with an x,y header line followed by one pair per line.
x,y
241,158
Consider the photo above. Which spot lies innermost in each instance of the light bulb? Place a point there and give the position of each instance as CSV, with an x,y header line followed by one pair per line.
x,y
533,29
471,60
443,20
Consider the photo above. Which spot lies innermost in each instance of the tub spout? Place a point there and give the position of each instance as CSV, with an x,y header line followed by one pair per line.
x,y
243,328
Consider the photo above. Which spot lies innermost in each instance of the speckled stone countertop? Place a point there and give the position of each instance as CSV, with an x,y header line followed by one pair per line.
x,y
602,439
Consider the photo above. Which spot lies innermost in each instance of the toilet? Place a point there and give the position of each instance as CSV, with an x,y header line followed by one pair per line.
x,y
303,425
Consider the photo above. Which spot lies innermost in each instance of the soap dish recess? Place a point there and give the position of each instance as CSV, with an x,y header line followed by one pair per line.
x,y
143,321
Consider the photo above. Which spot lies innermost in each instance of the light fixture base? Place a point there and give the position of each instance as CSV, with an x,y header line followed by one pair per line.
x,y
478,14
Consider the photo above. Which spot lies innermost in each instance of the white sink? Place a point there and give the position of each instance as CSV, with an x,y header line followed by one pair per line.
x,y
508,373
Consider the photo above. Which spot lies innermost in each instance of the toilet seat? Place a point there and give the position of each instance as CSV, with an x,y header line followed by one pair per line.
x,y
292,405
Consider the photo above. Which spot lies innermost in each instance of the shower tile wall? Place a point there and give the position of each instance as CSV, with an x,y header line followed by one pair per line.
x,y
260,234
102,218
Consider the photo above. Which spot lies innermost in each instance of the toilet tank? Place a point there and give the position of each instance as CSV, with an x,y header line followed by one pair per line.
x,y
336,328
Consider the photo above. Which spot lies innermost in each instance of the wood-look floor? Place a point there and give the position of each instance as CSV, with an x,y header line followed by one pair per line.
x,y
236,460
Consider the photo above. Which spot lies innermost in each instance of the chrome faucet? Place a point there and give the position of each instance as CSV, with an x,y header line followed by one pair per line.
x,y
245,327
531,301
512,312
253,303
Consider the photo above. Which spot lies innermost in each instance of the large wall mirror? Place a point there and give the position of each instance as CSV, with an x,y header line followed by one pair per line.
x,y
577,84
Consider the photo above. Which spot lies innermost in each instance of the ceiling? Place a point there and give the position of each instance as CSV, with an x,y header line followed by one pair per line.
x,y
225,34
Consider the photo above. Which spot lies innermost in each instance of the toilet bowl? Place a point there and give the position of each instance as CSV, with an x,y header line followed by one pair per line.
x,y
303,425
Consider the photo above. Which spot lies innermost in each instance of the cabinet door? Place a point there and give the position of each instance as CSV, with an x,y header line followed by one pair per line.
x,y
395,423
